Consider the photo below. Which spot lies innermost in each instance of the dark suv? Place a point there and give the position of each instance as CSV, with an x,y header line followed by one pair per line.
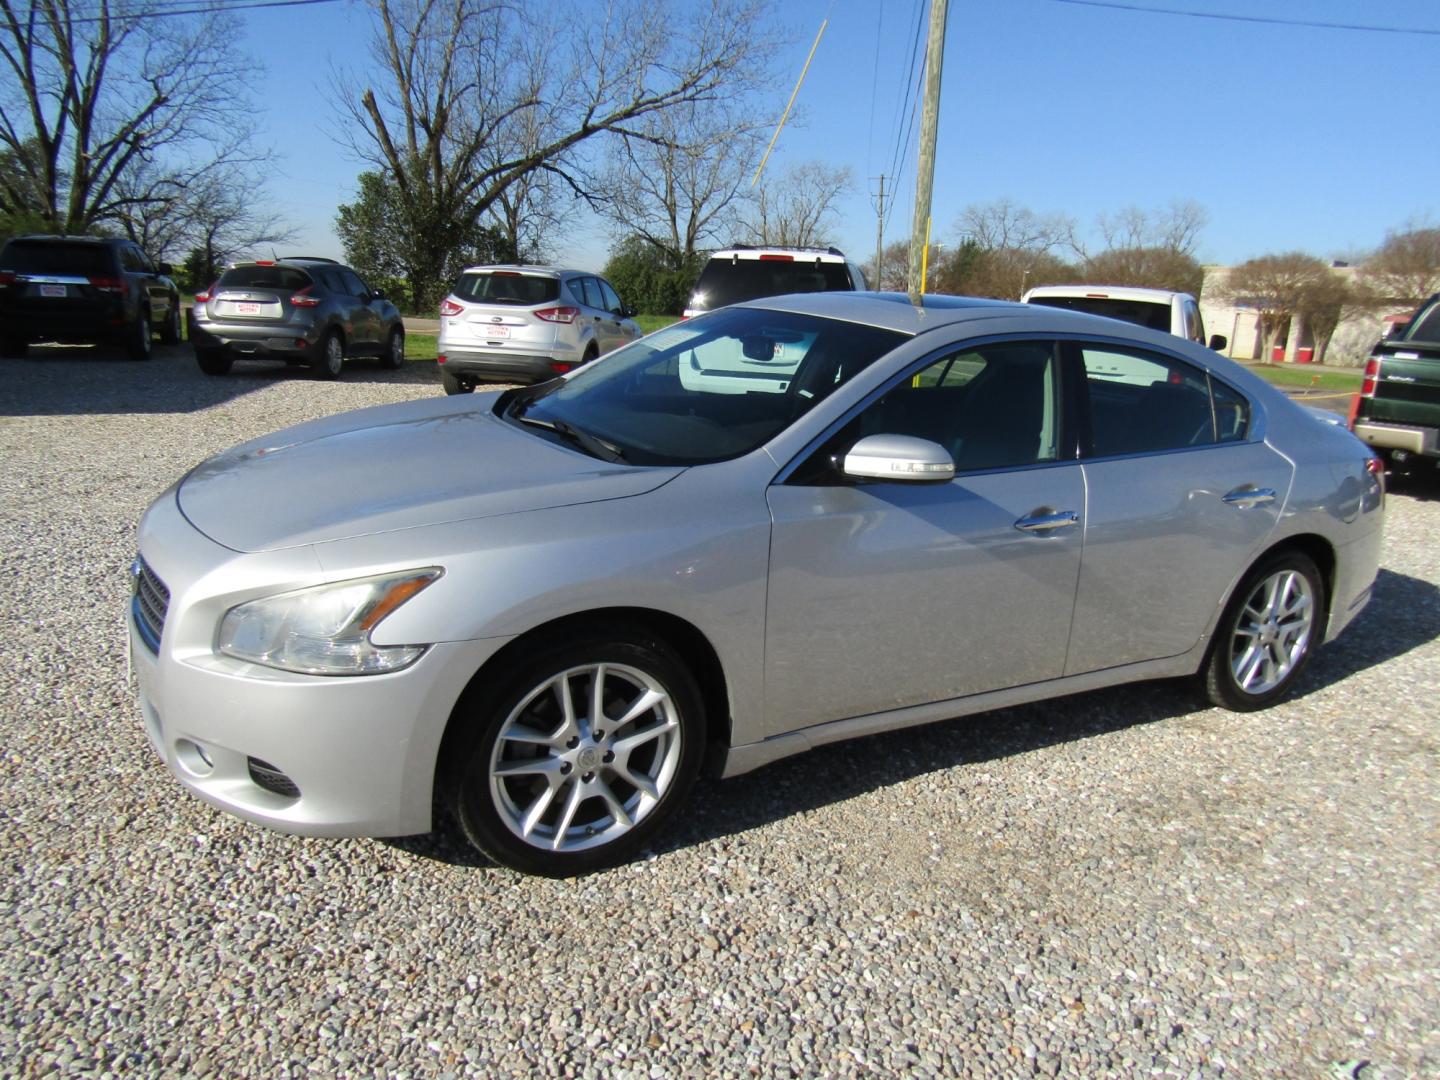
x,y
304,311
739,273
87,290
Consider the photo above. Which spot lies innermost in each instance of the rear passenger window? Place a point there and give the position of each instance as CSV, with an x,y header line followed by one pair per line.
x,y
1143,403
589,292
1232,413
991,408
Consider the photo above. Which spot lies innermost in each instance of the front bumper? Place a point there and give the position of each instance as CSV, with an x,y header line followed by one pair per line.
x,y
358,754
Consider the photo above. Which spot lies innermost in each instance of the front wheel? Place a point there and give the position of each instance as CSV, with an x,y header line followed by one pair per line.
x,y
1268,632
170,332
574,762
330,357
394,355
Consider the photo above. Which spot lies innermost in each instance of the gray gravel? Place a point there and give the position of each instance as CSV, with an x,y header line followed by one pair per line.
x,y
1116,884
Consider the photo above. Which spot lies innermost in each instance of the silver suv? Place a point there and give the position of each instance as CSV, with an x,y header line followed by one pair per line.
x,y
304,311
527,324
736,274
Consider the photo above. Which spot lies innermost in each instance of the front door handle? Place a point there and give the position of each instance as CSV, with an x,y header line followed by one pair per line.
x,y
1247,496
1042,523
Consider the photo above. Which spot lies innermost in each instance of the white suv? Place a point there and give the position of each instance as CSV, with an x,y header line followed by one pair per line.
x,y
527,324
1158,309
736,274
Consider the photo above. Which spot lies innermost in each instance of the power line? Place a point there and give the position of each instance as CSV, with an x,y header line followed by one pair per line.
x,y
157,11
874,81
1269,20
905,86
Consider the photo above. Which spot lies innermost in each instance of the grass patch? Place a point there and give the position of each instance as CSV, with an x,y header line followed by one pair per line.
x,y
422,346
650,323
1310,376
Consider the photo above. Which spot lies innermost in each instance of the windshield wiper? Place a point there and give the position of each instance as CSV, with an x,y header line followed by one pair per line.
x,y
591,444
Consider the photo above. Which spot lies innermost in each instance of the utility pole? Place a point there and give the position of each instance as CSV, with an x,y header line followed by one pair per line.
x,y
879,282
929,122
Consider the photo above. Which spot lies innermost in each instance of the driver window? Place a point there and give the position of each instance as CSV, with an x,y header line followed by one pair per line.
x,y
991,407
1144,403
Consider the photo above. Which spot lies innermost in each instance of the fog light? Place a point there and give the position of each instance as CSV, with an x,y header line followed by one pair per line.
x,y
194,757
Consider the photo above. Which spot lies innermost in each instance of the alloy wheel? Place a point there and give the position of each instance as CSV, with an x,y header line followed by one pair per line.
x,y
1272,632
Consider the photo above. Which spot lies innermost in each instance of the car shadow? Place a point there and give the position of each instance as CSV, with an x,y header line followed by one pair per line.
x,y
1403,615
72,380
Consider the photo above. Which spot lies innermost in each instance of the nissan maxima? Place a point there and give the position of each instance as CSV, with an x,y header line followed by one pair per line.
x,y
537,614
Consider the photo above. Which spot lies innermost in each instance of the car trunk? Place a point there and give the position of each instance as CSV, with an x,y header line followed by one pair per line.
x,y
500,310
1408,390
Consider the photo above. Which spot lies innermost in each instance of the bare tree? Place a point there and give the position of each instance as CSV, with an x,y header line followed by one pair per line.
x,y
102,94
1406,269
1324,302
1174,228
1002,249
796,208
1150,267
1001,225
1278,287
681,186
463,98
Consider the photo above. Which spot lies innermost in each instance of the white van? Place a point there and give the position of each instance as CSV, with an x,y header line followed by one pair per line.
x,y
1158,309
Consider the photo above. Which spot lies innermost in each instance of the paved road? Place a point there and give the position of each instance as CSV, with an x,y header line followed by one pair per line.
x,y
1121,883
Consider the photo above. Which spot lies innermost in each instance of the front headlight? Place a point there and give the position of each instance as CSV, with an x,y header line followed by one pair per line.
x,y
325,630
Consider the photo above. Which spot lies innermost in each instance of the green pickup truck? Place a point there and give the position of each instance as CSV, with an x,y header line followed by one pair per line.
x,y
1398,408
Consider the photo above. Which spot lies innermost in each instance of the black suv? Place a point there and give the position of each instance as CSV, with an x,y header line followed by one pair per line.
x,y
87,290
739,273
304,311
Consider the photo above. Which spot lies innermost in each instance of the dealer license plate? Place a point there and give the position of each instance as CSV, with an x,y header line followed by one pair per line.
x,y
52,290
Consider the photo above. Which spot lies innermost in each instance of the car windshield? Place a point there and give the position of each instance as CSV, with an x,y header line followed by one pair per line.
x,y
1145,313
40,256
507,287
706,389
733,281
264,277
1426,326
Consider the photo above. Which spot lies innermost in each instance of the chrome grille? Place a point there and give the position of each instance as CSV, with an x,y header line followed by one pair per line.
x,y
149,604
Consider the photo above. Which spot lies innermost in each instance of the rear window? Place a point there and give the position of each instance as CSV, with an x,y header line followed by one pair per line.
x,y
264,277
507,288
39,256
727,281
1426,326
1140,312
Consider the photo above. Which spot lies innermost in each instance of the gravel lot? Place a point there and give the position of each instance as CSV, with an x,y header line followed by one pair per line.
x,y
1120,883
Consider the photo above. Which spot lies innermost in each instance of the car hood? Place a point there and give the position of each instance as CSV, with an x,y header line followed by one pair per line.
x,y
393,467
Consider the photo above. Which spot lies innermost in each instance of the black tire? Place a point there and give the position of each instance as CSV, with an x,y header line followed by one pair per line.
x,y
453,384
592,353
137,338
393,357
170,331
635,662
329,357
1263,633
15,347
213,361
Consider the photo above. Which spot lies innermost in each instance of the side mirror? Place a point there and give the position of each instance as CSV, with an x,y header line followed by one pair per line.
x,y
627,312
1218,342
377,294
166,269
899,457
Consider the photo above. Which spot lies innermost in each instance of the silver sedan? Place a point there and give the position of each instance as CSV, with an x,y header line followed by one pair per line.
x,y
771,527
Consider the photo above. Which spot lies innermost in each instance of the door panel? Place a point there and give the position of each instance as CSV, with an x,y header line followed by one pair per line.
x,y
1162,546
888,595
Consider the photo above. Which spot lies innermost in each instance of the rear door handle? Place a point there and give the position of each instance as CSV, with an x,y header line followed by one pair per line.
x,y
1062,519
1247,496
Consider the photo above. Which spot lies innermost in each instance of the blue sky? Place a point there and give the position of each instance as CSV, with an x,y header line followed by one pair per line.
x,y
1290,137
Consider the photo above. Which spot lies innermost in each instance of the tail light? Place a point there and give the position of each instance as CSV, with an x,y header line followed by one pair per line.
x,y
304,299
1372,376
117,285
558,314
440,359
206,296
7,277
560,367
1374,466
449,307
777,258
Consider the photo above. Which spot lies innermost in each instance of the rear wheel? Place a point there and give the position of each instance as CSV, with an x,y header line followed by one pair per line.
x,y
1268,633
592,353
137,342
213,361
330,357
170,332
454,384
575,760
394,355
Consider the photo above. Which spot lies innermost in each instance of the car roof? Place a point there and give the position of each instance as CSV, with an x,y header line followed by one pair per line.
x,y
746,251
71,239
1112,292
524,268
